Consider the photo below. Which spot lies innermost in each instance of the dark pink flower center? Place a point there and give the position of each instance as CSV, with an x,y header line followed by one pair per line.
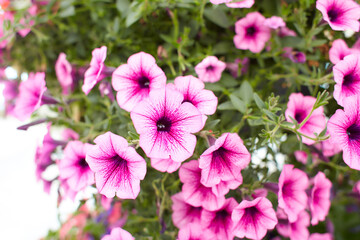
x,y
163,124
210,68
349,79
82,163
250,31
300,116
333,14
287,189
251,211
144,82
353,132
221,215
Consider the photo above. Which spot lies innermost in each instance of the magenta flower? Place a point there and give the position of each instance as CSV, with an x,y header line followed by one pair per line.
x,y
347,78
320,198
30,95
341,15
275,22
118,234
252,219
234,66
240,4
184,214
301,156
133,81
216,2
356,189
194,193
297,230
344,127
210,69
292,195
73,168
26,22
165,165
10,93
192,232
165,125
94,73
224,160
298,108
222,188
118,167
339,50
320,236
251,33
218,223
329,147
63,71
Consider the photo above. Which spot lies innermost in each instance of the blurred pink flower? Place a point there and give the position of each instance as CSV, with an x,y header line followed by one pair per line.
x,y
63,71
134,81
240,3
26,22
320,198
341,15
106,90
297,230
118,234
252,219
77,222
298,107
275,22
94,73
339,50
234,66
345,128
301,156
10,93
320,236
251,33
192,232
286,32
347,78
184,214
210,69
166,124
117,167
292,196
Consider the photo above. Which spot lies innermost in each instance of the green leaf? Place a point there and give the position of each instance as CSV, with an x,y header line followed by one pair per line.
x,y
226,106
67,12
258,101
271,115
122,6
212,124
295,42
218,17
238,103
246,92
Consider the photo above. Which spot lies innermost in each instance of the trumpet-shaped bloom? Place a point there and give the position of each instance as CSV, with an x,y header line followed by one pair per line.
x,y
320,236
165,125
320,198
118,234
251,33
347,78
192,232
63,71
275,22
30,95
133,81
344,128
218,223
252,219
240,4
210,69
339,50
298,108
194,193
292,195
296,230
94,73
118,167
165,165
341,15
224,160
73,168
184,214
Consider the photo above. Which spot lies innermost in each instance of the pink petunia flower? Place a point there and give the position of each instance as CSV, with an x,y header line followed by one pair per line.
x,y
94,73
240,4
275,22
118,167
320,198
329,147
194,193
234,66
192,232
224,160
292,196
165,165
30,95
210,69
26,22
63,71
356,188
133,81
118,234
341,15
105,89
301,156
339,50
298,107
73,168
165,125
251,33
286,32
223,187
219,223
252,219
10,93
297,230
216,2
344,126
320,236
347,78
183,213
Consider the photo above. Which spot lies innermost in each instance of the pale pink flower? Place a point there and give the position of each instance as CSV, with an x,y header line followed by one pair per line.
x,y
298,107
94,73
301,156
166,124
234,66
240,4
118,234
118,167
192,232
210,69
297,230
286,32
320,236
165,165
275,22
251,33
133,81
184,214
63,71
252,219
320,198
292,196
341,15
26,22
339,50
